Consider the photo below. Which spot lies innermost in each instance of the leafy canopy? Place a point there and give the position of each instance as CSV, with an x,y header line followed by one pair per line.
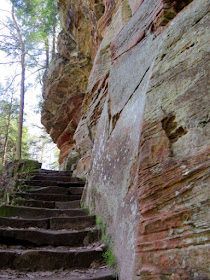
x,y
39,15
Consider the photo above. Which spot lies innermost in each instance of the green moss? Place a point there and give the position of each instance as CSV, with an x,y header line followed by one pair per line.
x,y
82,177
9,175
8,211
23,166
109,257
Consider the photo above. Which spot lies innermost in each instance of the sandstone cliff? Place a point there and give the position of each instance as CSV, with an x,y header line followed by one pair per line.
x,y
126,101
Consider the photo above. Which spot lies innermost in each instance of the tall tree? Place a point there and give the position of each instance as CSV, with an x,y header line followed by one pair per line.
x,y
42,17
31,22
14,44
7,130
8,127
22,49
7,108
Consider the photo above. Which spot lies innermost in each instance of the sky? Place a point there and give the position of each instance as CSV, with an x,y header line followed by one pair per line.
x,y
32,96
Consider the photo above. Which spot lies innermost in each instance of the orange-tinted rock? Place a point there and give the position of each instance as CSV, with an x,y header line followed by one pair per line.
x,y
142,140
65,150
158,211
64,87
65,82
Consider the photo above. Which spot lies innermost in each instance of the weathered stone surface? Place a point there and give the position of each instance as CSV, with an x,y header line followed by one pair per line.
x,y
34,203
116,148
28,212
98,88
21,166
67,205
164,67
174,155
46,259
53,182
70,161
64,87
63,240
143,136
101,273
66,45
72,223
47,237
76,16
49,197
65,83
84,25
23,223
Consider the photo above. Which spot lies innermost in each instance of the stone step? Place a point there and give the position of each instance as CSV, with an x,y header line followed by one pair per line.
x,y
50,231
38,189
56,177
32,212
73,223
47,204
37,237
100,273
53,190
68,205
45,259
24,223
48,197
57,172
47,183
47,175
35,203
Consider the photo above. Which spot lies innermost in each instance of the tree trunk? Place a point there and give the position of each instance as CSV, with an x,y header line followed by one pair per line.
x,y
47,52
53,45
22,88
42,151
7,133
21,109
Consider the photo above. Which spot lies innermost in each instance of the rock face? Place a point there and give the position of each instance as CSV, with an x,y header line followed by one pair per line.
x,y
142,134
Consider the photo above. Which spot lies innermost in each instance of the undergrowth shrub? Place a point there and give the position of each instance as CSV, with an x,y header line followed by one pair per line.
x,y
10,176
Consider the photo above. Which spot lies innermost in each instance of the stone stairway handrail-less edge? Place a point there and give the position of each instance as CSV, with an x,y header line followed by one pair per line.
x,y
46,232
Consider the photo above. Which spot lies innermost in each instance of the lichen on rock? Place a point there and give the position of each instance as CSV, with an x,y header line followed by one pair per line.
x,y
128,93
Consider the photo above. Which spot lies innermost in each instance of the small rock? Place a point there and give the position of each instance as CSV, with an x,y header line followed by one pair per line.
x,y
30,276
99,249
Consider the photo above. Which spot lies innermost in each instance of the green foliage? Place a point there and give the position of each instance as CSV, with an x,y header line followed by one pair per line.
x,y
40,16
12,136
22,166
9,182
7,186
28,31
108,256
82,177
37,21
39,13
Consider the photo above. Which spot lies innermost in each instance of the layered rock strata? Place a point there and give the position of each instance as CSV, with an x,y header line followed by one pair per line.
x,y
142,138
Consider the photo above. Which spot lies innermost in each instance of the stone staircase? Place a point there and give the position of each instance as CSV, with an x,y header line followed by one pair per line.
x,y
45,234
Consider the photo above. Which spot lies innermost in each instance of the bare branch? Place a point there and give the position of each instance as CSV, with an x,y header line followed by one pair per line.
x,y
35,72
11,62
11,82
5,11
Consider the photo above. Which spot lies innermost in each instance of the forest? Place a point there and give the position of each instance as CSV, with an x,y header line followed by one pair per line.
x,y
27,45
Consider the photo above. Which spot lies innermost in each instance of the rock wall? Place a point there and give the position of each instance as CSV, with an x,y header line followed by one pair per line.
x,y
140,132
